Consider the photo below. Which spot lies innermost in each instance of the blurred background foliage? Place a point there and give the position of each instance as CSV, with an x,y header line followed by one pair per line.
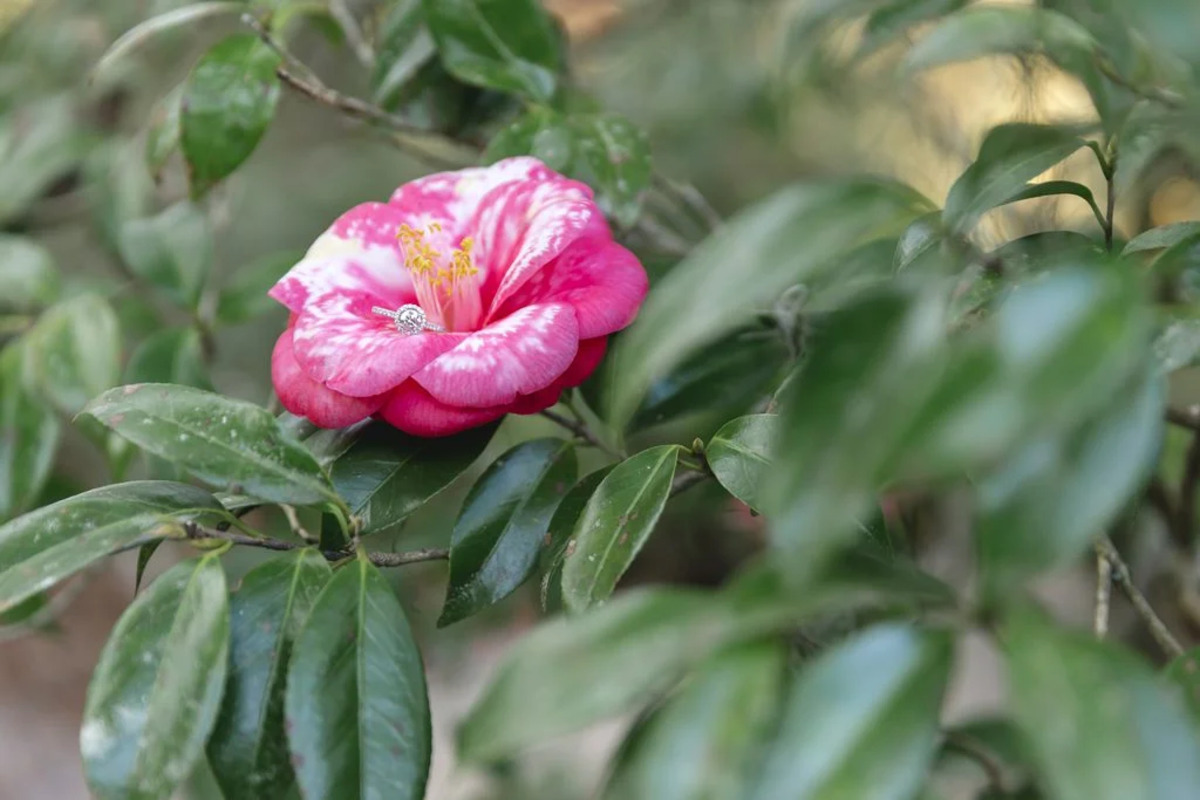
x,y
738,97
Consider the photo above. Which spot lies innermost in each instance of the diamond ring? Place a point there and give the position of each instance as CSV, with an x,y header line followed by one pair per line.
x,y
410,319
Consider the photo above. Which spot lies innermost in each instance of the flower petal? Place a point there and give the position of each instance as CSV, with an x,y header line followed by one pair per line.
x,y
600,279
520,354
358,252
411,409
342,343
520,213
305,397
591,353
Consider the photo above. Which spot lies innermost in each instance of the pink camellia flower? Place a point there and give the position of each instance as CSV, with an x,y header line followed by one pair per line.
x,y
514,283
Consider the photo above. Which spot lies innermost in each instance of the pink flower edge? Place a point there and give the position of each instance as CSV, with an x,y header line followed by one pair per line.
x,y
514,259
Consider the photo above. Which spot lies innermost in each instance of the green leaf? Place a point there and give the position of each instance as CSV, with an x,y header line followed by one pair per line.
x,y
219,440
502,523
245,297
228,102
75,351
172,251
633,648
508,45
861,721
28,278
739,455
162,137
887,23
606,151
172,355
1184,672
1099,724
976,32
403,48
248,749
1056,494
866,379
1010,156
704,742
1058,188
357,713
1178,345
793,237
723,379
155,693
50,145
1162,237
147,29
44,546
618,519
387,474
145,553
558,536
29,435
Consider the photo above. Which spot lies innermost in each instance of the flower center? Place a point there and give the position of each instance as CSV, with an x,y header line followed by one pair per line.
x,y
444,276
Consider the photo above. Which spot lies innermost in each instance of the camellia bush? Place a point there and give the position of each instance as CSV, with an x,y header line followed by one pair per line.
x,y
869,377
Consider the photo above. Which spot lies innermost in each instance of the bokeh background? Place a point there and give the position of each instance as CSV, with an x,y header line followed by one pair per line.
x,y
736,101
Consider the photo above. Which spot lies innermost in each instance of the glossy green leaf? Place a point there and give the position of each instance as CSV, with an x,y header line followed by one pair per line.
x,y
1162,237
146,30
248,749
145,554
245,296
976,32
1184,672
403,47
509,45
29,435
739,455
172,251
28,278
1010,156
704,742
1056,494
606,151
865,381
357,712
618,519
387,474
861,721
220,440
75,351
790,238
887,23
726,378
155,693
1099,724
228,102
28,613
1033,191
558,536
44,546
172,355
633,648
502,523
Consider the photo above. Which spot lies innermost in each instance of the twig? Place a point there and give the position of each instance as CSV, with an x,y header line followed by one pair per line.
x,y
581,430
686,480
354,36
967,746
1104,580
293,520
195,531
1124,579
1110,169
691,199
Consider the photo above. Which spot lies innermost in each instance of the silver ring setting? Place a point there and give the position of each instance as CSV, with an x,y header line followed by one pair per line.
x,y
410,319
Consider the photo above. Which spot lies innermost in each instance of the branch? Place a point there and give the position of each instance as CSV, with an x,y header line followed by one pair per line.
x,y
195,532
967,746
1124,579
580,429
1104,582
1164,96
686,480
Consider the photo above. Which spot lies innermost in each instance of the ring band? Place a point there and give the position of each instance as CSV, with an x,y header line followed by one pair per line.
x,y
410,319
